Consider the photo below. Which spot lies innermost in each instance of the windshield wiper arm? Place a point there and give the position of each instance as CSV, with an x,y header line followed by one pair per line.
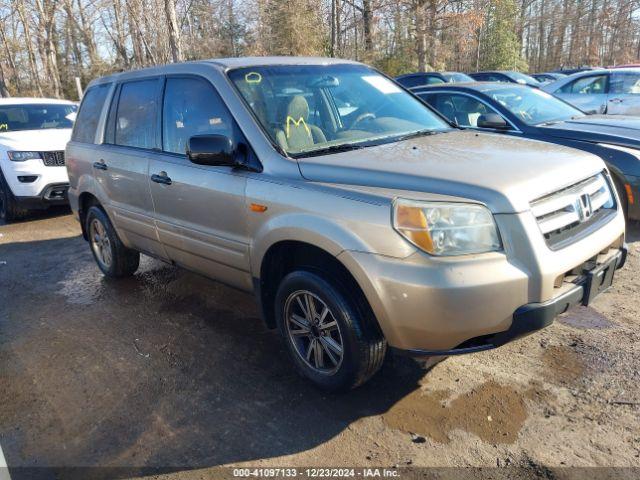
x,y
419,133
347,147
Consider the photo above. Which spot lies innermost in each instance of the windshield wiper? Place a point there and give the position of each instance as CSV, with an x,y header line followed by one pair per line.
x,y
347,147
419,133
549,123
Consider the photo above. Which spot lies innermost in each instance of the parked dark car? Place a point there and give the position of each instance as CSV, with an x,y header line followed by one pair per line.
x,y
419,79
526,112
547,77
457,77
505,76
571,71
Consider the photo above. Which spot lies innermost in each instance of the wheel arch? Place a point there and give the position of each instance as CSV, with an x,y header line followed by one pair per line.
x,y
285,256
85,201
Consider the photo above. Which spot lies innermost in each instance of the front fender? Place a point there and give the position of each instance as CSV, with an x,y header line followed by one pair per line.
x,y
303,227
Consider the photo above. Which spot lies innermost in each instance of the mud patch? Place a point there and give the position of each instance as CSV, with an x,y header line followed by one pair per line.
x,y
562,364
585,318
493,412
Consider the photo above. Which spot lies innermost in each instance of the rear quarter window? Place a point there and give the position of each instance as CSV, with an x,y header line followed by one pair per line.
x,y
89,114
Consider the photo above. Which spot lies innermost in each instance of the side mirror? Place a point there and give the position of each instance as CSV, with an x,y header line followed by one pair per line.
x,y
492,120
216,150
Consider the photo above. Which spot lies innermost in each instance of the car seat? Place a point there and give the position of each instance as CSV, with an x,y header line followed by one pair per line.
x,y
296,134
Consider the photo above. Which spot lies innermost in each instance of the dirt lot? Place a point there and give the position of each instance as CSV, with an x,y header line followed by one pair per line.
x,y
175,374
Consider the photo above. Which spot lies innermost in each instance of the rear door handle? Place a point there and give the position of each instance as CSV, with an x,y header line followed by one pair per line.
x,y
615,100
100,165
161,178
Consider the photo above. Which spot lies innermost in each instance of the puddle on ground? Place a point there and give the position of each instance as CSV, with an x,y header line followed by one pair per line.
x,y
493,412
86,284
562,364
585,318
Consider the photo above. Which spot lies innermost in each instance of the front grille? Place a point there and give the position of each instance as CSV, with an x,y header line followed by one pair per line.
x,y
53,159
573,212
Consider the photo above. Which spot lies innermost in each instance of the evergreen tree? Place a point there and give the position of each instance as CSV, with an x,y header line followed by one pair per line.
x,y
500,47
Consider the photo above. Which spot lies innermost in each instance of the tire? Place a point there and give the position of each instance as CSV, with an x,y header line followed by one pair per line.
x,y
113,258
9,208
622,195
356,331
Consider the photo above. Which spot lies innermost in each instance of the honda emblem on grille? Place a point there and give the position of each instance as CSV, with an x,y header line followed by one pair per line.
x,y
583,207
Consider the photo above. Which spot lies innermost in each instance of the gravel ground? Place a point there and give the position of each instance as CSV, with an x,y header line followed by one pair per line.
x,y
170,373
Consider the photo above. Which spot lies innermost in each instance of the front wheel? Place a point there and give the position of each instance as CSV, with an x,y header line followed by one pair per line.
x,y
332,339
113,258
9,209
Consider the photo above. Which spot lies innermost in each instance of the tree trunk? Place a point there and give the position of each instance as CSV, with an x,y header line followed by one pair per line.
x,y
19,6
419,8
174,34
367,27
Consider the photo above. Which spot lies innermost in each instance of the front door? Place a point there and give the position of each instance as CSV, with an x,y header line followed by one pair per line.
x,y
122,168
588,93
200,210
624,94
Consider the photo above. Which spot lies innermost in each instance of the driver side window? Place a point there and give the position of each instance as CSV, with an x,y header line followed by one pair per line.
x,y
192,107
587,85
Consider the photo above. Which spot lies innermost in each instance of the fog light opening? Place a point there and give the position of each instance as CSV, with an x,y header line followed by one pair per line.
x,y
27,178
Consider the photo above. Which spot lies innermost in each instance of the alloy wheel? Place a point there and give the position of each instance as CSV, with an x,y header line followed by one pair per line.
x,y
100,243
314,332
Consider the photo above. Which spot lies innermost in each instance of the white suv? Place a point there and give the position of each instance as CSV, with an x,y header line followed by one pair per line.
x,y
33,135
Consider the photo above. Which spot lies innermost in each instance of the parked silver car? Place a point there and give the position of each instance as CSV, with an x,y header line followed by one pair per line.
x,y
609,91
358,217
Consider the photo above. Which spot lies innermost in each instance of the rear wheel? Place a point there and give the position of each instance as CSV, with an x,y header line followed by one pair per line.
x,y
331,338
113,258
9,208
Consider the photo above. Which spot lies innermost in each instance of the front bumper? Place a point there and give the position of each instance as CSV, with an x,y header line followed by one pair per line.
x,y
532,317
54,194
445,305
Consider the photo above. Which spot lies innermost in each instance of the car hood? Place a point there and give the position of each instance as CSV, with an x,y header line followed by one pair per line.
x,y
615,129
503,172
36,140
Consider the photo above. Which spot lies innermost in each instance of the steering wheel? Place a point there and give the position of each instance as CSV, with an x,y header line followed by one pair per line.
x,y
362,117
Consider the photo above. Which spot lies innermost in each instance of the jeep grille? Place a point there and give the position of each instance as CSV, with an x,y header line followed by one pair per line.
x,y
53,159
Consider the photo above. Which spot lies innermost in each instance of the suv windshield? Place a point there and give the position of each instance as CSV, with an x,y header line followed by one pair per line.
x,y
533,106
323,108
36,116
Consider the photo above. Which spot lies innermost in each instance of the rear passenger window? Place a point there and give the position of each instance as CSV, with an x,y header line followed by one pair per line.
x,y
192,107
89,114
136,114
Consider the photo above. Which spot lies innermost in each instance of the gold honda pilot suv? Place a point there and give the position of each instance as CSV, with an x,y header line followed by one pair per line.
x,y
360,218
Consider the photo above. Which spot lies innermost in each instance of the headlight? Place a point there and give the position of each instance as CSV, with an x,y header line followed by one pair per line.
x,y
22,156
446,228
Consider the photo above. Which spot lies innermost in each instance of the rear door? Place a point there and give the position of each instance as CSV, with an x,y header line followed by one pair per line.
x,y
588,93
200,210
131,134
624,94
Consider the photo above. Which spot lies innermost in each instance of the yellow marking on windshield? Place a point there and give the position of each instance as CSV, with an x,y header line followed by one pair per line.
x,y
253,77
297,123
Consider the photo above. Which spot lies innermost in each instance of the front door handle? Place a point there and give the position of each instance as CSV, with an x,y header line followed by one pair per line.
x,y
161,178
100,165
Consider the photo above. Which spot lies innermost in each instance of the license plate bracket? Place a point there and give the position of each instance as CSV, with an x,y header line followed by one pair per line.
x,y
598,280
